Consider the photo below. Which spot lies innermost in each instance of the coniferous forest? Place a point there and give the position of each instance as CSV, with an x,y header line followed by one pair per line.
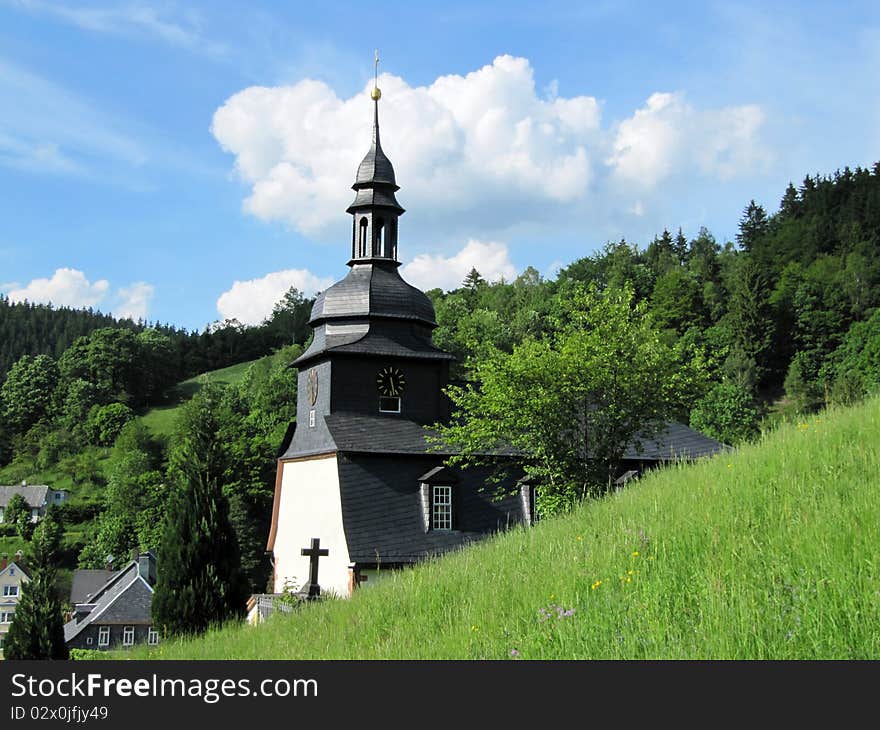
x,y
782,321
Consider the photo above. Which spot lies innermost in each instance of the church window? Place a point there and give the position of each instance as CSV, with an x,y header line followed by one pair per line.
x,y
152,637
104,636
362,239
128,636
389,404
441,507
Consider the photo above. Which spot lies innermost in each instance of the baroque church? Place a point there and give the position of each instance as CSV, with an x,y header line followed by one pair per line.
x,y
357,472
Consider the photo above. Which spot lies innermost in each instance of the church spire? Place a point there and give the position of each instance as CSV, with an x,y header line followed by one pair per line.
x,y
375,209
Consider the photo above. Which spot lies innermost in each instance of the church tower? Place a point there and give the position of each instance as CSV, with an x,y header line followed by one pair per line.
x,y
357,472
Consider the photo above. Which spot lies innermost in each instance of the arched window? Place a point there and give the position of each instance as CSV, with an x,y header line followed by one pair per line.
x,y
362,239
378,236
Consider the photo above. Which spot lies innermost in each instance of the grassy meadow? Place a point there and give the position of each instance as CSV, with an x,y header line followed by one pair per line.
x,y
766,553
160,419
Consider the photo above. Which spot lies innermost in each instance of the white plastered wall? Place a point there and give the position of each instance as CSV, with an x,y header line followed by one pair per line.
x,y
310,506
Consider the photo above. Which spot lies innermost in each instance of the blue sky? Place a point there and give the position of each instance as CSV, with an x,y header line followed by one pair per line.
x,y
188,162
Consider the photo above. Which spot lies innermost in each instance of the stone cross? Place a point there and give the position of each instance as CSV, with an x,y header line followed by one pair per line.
x,y
313,588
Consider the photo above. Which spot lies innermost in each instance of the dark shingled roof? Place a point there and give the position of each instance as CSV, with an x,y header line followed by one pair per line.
x,y
382,504
394,435
375,167
373,290
376,434
676,441
125,598
87,582
388,344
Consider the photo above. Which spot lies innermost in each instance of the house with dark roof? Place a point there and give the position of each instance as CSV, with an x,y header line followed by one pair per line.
x,y
37,496
357,470
13,576
113,608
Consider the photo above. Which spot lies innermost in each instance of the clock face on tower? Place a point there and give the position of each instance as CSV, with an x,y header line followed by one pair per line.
x,y
390,381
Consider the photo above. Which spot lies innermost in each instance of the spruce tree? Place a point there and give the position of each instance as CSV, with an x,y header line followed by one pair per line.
x,y
200,583
37,630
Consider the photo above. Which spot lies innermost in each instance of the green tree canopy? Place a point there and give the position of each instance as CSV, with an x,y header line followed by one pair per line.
x,y
569,404
37,630
200,583
18,513
27,392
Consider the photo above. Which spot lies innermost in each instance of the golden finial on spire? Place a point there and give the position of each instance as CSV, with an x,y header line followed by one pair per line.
x,y
375,94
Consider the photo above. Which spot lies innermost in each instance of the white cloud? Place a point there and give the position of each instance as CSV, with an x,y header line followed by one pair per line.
x,y
66,288
71,288
478,154
668,136
461,142
491,259
134,300
251,301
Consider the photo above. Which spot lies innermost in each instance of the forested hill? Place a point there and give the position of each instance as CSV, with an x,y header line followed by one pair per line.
x,y
41,329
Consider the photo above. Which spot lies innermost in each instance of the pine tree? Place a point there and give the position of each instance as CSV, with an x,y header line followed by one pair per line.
x,y
752,226
37,630
200,583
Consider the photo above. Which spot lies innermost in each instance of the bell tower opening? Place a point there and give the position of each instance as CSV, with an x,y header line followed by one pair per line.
x,y
362,239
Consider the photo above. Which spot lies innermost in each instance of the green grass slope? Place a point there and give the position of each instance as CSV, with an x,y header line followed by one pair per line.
x,y
768,553
160,420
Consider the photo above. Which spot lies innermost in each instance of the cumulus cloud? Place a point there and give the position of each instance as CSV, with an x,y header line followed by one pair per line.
x,y
478,154
491,259
251,301
72,288
134,300
461,142
66,288
669,136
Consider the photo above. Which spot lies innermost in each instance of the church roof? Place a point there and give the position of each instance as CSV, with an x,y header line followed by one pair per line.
x,y
676,441
355,432
373,290
381,508
375,167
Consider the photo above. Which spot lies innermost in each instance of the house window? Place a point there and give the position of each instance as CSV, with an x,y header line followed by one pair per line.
x,y
152,637
6,617
441,508
10,591
128,635
104,636
12,571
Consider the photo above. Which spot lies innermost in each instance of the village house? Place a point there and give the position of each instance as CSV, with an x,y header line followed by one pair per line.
x,y
112,609
38,498
12,577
